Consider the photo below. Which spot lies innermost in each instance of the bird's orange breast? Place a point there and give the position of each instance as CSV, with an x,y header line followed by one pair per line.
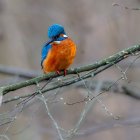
x,y
60,56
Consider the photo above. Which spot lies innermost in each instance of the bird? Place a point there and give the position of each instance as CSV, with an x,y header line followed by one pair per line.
x,y
59,52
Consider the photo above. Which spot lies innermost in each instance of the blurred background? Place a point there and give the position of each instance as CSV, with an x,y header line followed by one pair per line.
x,y
99,30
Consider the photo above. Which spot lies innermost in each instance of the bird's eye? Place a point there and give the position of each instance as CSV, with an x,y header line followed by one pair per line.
x,y
65,35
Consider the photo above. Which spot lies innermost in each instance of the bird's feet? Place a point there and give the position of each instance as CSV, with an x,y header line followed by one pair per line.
x,y
58,72
65,72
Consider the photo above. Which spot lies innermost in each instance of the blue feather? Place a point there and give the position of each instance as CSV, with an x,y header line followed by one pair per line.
x,y
44,53
55,30
60,38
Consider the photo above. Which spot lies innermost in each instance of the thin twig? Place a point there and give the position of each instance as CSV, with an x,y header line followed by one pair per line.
x,y
84,114
128,122
125,7
49,113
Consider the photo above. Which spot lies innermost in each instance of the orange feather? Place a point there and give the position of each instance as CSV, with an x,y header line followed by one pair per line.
x,y
60,56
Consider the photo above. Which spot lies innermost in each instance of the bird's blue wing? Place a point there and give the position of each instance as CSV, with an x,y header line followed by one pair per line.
x,y
44,53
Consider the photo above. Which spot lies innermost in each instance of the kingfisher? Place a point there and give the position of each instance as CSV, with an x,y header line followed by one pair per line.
x,y
59,52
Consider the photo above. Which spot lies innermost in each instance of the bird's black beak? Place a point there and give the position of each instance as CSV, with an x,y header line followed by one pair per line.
x,y
53,39
50,41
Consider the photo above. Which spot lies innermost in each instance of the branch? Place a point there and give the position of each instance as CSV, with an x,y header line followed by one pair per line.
x,y
84,114
125,7
108,62
128,122
49,113
132,91
18,72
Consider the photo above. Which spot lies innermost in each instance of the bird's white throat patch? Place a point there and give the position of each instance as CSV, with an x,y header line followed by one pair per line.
x,y
57,42
65,35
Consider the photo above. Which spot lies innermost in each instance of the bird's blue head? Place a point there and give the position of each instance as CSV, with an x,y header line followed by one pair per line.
x,y
55,30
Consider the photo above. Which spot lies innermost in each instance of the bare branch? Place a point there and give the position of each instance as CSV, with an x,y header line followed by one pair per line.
x,y
129,122
110,60
88,71
18,72
114,59
84,114
125,7
49,113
